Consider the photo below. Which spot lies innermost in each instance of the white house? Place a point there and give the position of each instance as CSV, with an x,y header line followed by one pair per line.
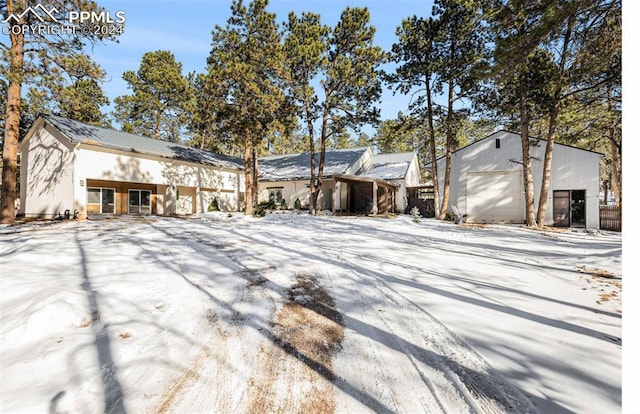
x,y
487,182
69,165
398,168
354,180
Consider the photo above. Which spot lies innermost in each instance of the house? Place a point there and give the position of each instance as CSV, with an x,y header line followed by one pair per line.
x,y
354,180
70,165
487,182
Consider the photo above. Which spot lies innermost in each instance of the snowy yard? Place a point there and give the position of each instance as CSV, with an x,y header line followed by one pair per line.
x,y
292,313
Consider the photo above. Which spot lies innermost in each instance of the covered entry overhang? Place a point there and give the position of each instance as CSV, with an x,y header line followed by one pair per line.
x,y
366,194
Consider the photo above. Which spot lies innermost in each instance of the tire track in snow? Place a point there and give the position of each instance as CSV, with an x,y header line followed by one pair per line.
x,y
484,391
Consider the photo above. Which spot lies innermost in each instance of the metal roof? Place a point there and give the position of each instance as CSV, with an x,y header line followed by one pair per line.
x,y
298,166
389,166
79,132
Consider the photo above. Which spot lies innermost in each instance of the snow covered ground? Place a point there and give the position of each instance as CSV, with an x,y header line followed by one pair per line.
x,y
292,313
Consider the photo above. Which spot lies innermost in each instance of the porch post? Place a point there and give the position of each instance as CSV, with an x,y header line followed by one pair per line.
x,y
393,199
333,197
386,199
375,198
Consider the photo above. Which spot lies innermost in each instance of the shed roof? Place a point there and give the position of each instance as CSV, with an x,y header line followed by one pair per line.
x,y
79,132
298,166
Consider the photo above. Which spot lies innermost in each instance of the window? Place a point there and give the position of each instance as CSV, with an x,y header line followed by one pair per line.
x,y
101,200
139,202
497,143
275,194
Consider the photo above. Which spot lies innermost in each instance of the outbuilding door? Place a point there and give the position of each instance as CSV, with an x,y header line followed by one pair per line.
x,y
495,197
569,208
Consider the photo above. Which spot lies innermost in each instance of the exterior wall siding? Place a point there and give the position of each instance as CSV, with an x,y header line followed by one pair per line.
x,y
46,175
55,176
411,179
572,169
291,190
177,179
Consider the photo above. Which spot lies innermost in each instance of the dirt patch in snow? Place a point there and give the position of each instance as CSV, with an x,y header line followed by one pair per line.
x,y
310,323
308,332
607,284
596,272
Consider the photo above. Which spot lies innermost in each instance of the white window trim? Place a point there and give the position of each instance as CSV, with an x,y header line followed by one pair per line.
x,y
115,195
139,205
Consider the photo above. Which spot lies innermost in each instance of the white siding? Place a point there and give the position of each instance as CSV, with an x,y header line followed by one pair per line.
x,y
226,201
291,190
363,163
46,175
411,179
572,169
116,166
110,165
54,175
298,189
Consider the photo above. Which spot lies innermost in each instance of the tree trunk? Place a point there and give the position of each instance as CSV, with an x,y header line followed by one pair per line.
x,y
553,122
448,152
616,151
432,143
616,186
546,168
526,153
254,176
248,185
312,152
12,122
156,127
323,147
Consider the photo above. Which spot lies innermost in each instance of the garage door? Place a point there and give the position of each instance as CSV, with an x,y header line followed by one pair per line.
x,y
495,197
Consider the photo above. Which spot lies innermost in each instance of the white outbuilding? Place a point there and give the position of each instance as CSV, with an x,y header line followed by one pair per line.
x,y
487,182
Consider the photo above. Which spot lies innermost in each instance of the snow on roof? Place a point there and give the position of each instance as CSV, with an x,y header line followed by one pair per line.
x,y
298,166
389,166
79,132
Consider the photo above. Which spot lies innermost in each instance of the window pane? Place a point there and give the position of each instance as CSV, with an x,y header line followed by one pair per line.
x,y
93,195
108,195
108,200
134,197
145,198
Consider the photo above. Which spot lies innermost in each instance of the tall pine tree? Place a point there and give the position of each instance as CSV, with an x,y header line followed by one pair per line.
x,y
159,100
46,50
247,59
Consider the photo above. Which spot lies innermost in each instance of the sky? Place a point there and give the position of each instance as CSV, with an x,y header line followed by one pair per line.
x,y
184,28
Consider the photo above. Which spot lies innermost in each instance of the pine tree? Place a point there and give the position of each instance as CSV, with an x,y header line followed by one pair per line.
x,y
415,54
160,95
347,63
31,54
247,59
459,45
306,47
